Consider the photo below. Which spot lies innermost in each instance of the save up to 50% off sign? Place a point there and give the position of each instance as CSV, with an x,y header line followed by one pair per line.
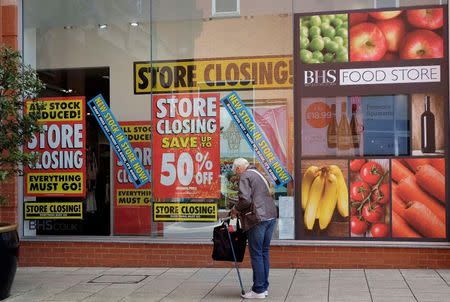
x,y
186,146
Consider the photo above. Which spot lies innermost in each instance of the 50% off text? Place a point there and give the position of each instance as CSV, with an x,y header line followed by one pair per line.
x,y
182,169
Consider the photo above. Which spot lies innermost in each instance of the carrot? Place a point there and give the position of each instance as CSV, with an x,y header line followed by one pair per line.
x,y
399,171
432,181
401,229
439,164
397,203
414,163
408,190
421,218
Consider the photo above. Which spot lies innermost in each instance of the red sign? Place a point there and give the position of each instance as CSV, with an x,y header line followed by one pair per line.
x,y
186,145
61,146
132,206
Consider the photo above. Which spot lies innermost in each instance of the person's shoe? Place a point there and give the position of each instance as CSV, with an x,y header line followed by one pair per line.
x,y
252,295
266,293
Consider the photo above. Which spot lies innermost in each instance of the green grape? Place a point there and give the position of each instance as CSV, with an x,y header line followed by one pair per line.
x,y
342,32
304,42
328,57
326,40
329,32
338,40
315,20
342,55
316,44
304,31
305,55
332,46
314,31
337,22
318,56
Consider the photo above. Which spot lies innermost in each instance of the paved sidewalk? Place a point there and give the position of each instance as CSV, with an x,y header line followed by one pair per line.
x,y
221,284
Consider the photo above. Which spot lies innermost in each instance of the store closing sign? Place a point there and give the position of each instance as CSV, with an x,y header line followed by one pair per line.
x,y
53,210
119,141
256,139
186,145
60,169
243,73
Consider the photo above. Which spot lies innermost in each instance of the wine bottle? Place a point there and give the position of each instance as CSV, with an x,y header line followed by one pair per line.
x,y
354,126
427,129
331,131
344,132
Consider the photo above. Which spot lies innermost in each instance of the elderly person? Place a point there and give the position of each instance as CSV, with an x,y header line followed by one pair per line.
x,y
254,189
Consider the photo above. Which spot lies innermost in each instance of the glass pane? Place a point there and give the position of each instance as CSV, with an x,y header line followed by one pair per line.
x,y
83,49
217,56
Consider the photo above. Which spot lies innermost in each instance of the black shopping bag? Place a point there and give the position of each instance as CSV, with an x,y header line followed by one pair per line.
x,y
222,249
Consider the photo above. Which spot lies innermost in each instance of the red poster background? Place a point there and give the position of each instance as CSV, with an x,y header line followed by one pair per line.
x,y
82,120
129,218
202,155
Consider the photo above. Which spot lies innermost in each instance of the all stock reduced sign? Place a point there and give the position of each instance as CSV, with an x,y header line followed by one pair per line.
x,y
61,148
186,145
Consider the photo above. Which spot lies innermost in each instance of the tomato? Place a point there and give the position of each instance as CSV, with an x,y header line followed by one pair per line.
x,y
357,225
359,190
353,211
381,195
356,164
371,172
372,213
379,230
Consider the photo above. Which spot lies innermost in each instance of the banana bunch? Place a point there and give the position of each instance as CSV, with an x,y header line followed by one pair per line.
x,y
322,190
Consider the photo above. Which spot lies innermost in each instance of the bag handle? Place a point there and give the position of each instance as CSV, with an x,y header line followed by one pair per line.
x,y
265,180
227,221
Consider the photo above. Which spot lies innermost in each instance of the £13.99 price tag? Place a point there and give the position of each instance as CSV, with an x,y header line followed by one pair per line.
x,y
186,146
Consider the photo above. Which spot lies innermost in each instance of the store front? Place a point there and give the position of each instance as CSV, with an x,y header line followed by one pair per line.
x,y
344,107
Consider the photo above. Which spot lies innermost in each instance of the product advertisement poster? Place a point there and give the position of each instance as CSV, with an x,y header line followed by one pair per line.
x,y
361,52
186,145
372,90
132,206
61,167
119,141
256,139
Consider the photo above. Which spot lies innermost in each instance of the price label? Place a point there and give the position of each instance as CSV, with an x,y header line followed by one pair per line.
x,y
318,115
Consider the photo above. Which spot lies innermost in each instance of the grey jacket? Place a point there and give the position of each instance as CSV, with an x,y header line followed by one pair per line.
x,y
252,188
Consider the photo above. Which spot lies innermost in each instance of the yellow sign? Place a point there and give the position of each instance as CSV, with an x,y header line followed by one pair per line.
x,y
65,183
58,110
244,73
53,210
133,197
164,211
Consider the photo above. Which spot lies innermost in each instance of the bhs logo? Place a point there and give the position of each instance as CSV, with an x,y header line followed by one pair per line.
x,y
320,77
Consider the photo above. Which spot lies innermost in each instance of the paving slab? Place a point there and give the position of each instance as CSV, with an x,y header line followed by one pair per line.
x,y
221,284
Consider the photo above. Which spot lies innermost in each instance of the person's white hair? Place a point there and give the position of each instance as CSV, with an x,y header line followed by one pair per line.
x,y
240,162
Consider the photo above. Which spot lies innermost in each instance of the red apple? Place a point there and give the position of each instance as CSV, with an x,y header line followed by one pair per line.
x,y
385,15
426,18
356,18
394,31
422,44
367,42
389,56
